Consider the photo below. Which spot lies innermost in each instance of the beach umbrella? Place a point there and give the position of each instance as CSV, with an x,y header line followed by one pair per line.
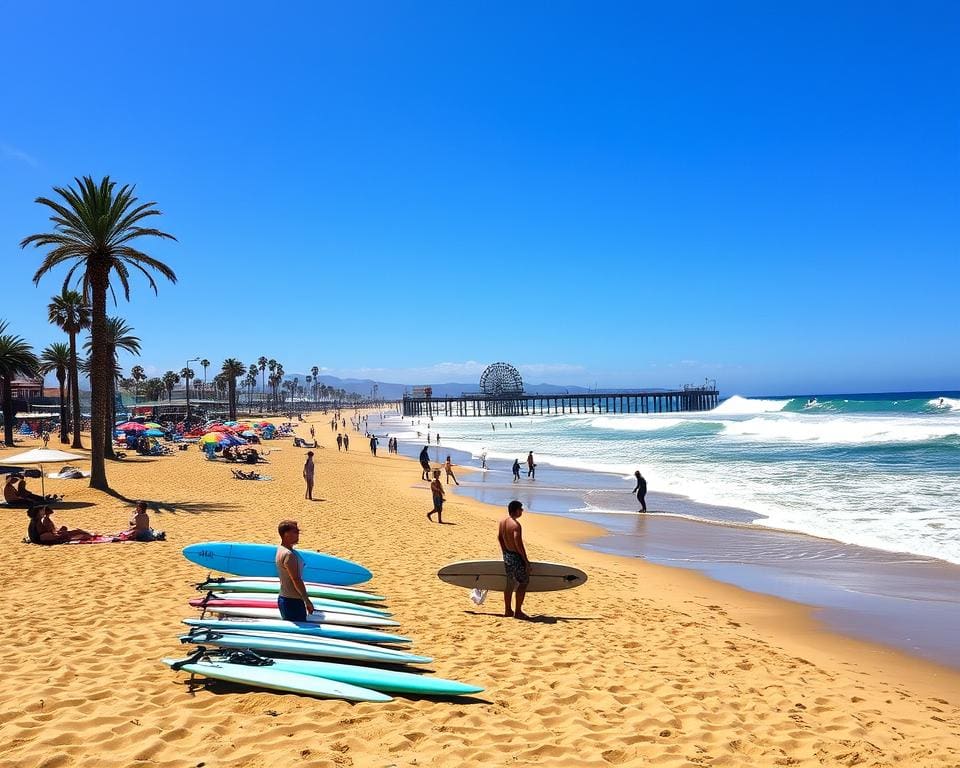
x,y
152,425
154,433
228,439
219,428
42,456
248,433
131,426
212,437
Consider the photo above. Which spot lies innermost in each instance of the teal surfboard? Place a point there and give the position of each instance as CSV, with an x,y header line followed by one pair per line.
x,y
279,680
306,629
244,559
377,679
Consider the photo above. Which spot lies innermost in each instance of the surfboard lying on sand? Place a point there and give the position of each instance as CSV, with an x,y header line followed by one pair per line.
x,y
272,586
490,574
278,680
253,600
324,647
319,616
377,679
304,628
243,559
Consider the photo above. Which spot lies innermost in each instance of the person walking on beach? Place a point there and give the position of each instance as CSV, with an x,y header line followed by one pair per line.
x,y
308,476
293,600
373,444
339,441
425,464
483,458
641,491
531,467
515,560
346,441
448,467
516,470
437,489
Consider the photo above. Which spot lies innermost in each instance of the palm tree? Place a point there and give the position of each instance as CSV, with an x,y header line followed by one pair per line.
x,y
56,357
119,337
153,388
262,365
230,370
204,364
94,228
186,374
170,380
16,359
137,374
316,372
71,313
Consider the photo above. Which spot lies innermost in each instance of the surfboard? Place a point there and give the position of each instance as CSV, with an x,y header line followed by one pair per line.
x,y
243,559
377,679
272,586
490,574
317,617
328,647
252,600
306,629
276,679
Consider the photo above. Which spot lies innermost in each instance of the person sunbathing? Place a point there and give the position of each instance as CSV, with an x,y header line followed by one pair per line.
x,y
41,529
15,493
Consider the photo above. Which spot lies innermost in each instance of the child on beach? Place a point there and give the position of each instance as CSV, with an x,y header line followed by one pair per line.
x,y
437,490
448,468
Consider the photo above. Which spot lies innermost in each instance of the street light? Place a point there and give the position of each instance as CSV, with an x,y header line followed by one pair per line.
x,y
187,422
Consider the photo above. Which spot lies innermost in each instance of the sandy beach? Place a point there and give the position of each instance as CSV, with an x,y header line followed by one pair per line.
x,y
644,665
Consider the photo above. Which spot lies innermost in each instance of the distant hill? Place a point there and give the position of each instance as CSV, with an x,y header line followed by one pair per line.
x,y
391,391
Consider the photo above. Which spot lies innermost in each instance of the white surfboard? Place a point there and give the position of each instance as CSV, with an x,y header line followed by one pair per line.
x,y
490,574
317,617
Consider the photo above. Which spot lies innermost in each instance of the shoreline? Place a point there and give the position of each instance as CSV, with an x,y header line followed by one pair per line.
x,y
901,600
643,664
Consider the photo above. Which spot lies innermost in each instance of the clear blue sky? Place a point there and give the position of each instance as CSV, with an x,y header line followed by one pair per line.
x,y
620,194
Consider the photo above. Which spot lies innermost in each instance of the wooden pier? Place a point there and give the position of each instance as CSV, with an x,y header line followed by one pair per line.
x,y
532,404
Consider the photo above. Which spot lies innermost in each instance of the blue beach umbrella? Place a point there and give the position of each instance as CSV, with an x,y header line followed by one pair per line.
x,y
154,433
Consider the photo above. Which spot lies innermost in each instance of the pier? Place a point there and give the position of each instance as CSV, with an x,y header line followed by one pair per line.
x,y
693,398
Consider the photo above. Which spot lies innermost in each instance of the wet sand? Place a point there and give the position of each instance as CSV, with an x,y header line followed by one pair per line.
x,y
643,665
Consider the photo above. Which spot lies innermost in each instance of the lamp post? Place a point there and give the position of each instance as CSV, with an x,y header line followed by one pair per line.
x,y
187,422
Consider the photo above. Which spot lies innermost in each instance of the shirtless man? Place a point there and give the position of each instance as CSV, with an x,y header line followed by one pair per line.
x,y
140,529
293,601
437,490
515,560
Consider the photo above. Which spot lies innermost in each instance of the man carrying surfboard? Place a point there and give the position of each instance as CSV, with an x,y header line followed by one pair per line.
x,y
515,560
293,600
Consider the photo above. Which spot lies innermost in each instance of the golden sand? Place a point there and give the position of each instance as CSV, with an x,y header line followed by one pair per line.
x,y
641,666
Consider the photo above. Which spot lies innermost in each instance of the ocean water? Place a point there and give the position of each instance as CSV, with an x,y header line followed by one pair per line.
x,y
875,470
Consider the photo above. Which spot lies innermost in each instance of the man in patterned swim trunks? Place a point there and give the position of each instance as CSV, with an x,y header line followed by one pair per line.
x,y
515,560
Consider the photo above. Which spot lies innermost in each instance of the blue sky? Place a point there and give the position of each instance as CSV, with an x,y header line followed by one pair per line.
x,y
619,194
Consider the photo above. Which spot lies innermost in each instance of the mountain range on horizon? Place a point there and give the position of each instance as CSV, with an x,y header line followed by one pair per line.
x,y
393,391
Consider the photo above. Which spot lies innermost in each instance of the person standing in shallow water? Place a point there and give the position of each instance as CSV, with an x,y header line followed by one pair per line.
x,y
641,491
516,470
531,467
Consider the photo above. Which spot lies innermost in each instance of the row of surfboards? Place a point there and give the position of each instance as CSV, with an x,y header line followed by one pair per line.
x,y
334,654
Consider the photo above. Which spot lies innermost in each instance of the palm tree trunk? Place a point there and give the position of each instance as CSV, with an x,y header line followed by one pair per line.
x,y
8,415
111,419
62,380
100,370
232,392
75,391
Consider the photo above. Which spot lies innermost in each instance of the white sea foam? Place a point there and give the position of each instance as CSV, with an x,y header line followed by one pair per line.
x,y
636,423
841,430
945,403
744,406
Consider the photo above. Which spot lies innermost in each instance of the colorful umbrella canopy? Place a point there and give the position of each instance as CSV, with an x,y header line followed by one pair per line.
x,y
248,433
228,439
152,425
219,428
132,426
154,433
211,437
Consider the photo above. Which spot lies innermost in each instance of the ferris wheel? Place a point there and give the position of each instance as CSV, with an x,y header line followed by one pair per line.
x,y
501,379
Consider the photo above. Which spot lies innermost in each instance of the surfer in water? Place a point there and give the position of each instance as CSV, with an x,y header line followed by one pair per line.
x,y
515,560
641,491
293,601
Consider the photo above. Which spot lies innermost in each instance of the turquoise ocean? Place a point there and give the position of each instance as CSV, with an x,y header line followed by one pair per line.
x,y
875,470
